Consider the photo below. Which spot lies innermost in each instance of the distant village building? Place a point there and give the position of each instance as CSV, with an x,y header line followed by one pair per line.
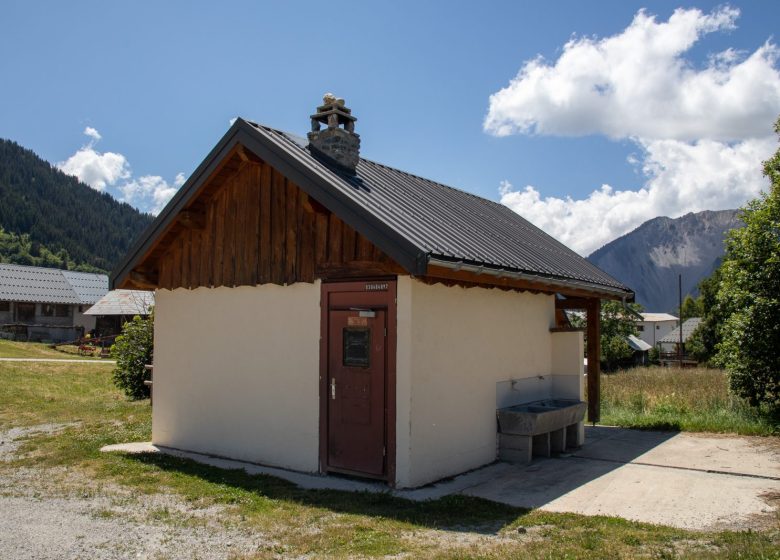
x,y
117,307
47,304
670,344
655,326
321,312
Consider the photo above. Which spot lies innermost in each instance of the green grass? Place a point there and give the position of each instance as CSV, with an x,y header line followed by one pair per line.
x,y
13,349
689,399
315,524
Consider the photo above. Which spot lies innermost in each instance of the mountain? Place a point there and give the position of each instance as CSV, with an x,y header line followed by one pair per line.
x,y
649,258
45,208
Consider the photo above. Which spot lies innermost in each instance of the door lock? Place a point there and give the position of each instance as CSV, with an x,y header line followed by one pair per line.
x,y
333,388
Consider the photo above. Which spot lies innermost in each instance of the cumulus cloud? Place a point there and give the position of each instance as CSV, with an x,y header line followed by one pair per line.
x,y
682,178
150,192
96,169
92,133
111,172
702,132
638,83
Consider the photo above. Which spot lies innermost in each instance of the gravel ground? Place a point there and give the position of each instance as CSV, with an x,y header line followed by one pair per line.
x,y
47,514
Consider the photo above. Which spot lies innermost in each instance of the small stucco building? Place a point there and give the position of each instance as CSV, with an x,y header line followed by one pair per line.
x,y
321,312
117,307
47,304
654,326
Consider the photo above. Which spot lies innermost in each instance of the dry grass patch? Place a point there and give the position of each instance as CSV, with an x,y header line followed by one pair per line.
x,y
690,399
14,349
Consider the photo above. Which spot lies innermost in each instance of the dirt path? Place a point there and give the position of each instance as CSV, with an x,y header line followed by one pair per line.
x,y
46,514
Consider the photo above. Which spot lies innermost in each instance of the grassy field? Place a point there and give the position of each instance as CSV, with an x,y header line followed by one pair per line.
x,y
316,524
690,399
12,349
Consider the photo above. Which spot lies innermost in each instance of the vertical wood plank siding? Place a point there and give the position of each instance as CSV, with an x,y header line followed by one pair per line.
x,y
257,228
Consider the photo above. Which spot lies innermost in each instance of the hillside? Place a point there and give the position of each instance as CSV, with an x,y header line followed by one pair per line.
x,y
649,258
59,213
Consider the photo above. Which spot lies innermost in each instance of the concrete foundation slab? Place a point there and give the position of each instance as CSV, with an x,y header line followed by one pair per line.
x,y
690,481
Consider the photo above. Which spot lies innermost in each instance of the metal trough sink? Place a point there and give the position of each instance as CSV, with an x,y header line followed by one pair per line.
x,y
540,417
539,429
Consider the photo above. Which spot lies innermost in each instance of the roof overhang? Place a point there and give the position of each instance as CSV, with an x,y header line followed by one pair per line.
x,y
316,181
412,258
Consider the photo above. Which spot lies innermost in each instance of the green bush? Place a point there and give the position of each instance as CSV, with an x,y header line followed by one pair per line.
x,y
132,350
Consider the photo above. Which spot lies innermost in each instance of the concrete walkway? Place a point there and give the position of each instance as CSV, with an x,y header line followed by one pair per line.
x,y
57,360
690,481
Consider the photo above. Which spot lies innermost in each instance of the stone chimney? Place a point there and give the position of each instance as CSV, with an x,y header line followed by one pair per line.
x,y
336,144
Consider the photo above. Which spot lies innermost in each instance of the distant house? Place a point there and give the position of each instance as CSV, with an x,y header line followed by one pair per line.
x,y
47,304
640,349
655,326
117,307
321,312
670,343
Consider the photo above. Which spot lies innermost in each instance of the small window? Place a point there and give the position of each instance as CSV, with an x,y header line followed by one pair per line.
x,y
25,312
640,328
357,343
658,326
5,306
55,310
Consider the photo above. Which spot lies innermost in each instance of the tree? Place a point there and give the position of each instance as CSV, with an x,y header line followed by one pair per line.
x,y
749,297
690,308
703,342
132,351
615,323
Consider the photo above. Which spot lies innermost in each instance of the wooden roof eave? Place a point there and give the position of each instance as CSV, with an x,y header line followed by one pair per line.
x,y
410,257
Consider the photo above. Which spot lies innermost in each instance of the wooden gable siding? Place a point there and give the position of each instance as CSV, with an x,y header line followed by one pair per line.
x,y
257,228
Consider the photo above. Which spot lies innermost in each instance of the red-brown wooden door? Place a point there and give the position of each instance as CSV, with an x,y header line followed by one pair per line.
x,y
356,390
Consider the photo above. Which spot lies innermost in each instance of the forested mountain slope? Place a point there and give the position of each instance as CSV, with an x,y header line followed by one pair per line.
x,y
57,212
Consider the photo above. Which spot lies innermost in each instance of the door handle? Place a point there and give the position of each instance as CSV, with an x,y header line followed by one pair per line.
x,y
333,388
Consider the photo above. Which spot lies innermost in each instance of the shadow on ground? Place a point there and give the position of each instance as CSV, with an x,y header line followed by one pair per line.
x,y
454,512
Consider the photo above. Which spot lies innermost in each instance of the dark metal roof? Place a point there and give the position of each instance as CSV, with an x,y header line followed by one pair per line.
x,y
414,220
50,285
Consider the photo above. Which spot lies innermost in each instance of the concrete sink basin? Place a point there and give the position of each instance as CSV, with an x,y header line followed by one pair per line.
x,y
540,417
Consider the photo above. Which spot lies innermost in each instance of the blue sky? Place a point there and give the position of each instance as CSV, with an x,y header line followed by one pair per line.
x,y
155,85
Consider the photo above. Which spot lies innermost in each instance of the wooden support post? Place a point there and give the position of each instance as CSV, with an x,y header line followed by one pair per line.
x,y
594,356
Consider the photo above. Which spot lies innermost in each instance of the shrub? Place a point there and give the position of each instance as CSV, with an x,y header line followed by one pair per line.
x,y
132,350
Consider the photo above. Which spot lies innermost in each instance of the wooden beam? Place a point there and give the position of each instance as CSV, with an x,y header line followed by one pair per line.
x,y
356,269
506,282
594,357
572,303
193,219
142,280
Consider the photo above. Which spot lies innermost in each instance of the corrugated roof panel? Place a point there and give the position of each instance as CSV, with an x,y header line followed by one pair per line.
x,y
48,285
88,287
688,327
449,223
123,302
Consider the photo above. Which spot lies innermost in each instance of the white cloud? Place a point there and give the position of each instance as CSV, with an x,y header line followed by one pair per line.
x,y
92,133
682,177
703,132
150,192
638,84
111,172
96,169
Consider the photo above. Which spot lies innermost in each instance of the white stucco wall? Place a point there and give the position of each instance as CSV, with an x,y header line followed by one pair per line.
x,y
654,331
458,349
236,373
81,320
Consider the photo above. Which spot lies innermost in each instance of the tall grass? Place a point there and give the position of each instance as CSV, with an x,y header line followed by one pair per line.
x,y
691,399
